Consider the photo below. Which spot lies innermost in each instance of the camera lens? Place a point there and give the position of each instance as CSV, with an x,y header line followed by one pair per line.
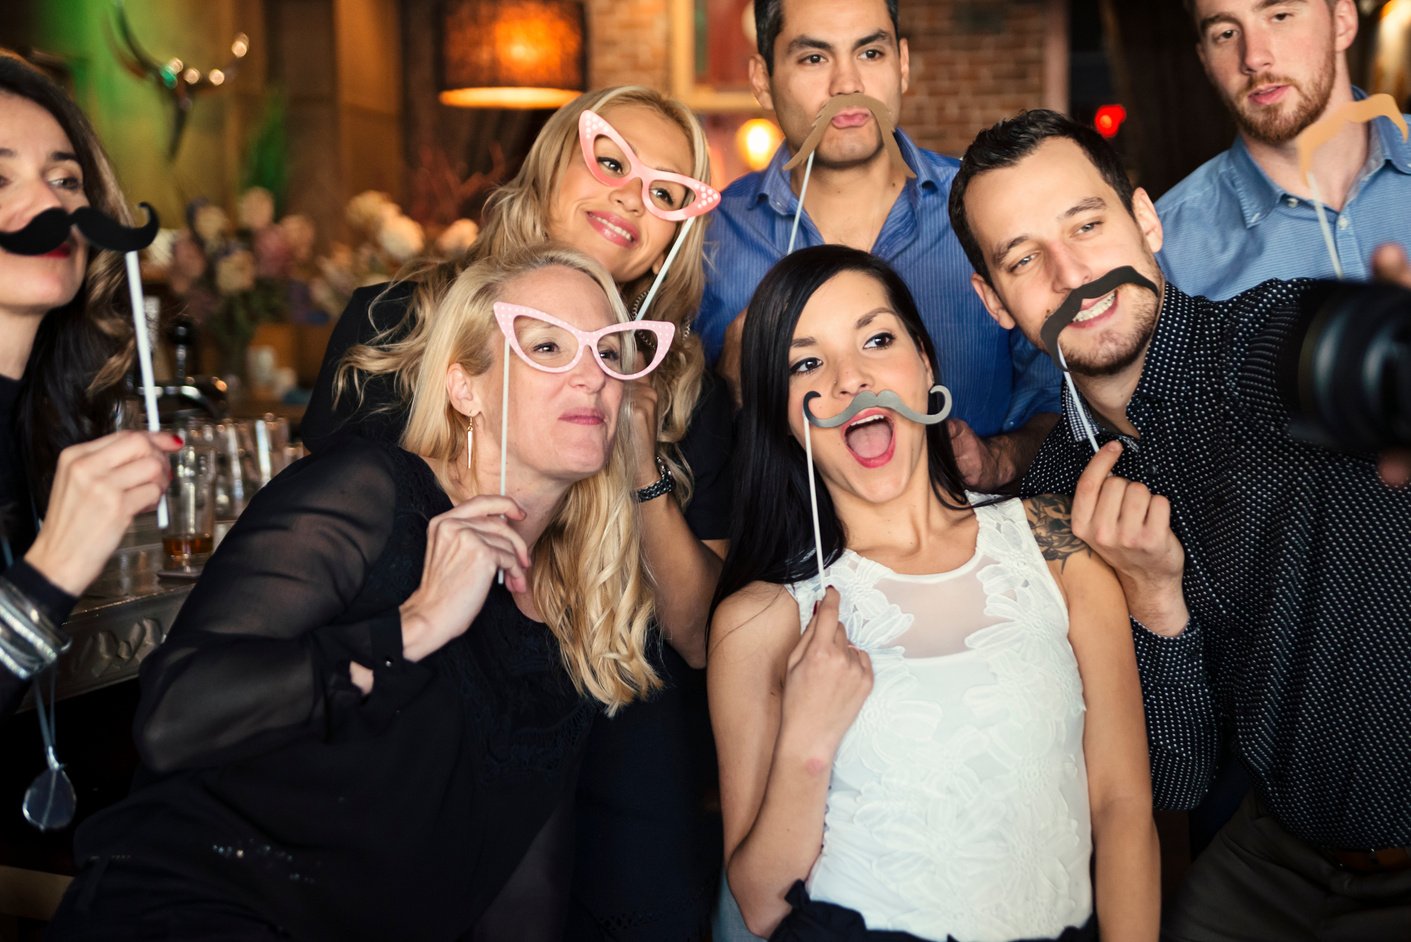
x,y
1346,375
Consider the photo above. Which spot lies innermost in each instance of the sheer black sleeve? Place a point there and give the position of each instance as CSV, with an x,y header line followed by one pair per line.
x,y
259,654
361,321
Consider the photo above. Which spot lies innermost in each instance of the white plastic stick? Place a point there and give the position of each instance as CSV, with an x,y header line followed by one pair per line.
x,y
803,191
813,497
144,359
1077,402
665,267
1324,227
505,432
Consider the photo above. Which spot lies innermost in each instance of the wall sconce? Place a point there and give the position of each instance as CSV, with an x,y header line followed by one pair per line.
x,y
512,53
756,141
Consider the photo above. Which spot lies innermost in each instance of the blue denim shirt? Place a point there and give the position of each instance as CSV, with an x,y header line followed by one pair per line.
x,y
997,378
1229,227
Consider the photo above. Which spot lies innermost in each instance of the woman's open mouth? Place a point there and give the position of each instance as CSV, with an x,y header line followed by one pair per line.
x,y
870,438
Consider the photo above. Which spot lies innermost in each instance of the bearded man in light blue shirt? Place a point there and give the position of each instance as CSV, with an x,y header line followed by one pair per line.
x,y
1247,215
1005,392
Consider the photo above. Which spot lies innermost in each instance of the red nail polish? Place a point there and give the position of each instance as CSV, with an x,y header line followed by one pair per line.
x,y
177,439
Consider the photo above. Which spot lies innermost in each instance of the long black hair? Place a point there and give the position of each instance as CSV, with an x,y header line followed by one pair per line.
x,y
771,533
75,375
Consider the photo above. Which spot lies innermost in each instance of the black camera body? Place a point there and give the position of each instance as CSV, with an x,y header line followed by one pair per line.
x,y
1345,372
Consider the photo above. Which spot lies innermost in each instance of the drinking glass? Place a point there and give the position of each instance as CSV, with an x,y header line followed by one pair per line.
x,y
189,536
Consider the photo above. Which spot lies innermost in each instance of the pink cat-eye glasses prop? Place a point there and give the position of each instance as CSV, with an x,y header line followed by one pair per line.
x,y
670,196
553,346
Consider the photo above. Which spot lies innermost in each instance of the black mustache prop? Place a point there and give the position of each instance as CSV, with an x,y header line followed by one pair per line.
x,y
1073,304
50,229
885,399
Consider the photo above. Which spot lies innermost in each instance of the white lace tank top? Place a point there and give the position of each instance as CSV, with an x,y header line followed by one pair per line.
x,y
958,803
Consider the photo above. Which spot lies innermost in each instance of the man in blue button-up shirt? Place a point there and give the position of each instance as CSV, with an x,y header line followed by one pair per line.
x,y
1005,393
1245,216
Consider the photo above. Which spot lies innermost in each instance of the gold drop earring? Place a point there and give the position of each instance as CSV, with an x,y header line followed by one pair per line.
x,y
470,444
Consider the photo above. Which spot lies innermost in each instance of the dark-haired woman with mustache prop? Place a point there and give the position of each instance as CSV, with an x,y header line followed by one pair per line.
x,y
65,347
925,703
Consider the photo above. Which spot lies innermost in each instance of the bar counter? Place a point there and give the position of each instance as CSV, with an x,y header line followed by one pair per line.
x,y
122,617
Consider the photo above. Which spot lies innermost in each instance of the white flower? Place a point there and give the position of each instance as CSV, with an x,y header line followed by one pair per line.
x,y
337,268
256,208
401,238
327,297
159,253
365,211
456,239
235,273
300,234
210,223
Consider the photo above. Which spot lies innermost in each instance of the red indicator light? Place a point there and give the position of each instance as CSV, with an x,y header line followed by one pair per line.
x,y
1108,120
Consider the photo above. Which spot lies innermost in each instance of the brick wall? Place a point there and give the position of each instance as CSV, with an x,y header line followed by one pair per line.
x,y
972,61
627,43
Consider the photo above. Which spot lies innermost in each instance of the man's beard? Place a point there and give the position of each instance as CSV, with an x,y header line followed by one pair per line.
x,y
1116,356
1279,126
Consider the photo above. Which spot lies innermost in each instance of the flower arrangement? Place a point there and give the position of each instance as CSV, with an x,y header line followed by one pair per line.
x,y
232,278
385,240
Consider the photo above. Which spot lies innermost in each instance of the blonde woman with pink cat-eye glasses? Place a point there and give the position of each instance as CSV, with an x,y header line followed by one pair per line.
x,y
623,175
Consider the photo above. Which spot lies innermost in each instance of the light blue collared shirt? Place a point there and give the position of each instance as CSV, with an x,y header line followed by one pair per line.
x,y
997,378
1229,227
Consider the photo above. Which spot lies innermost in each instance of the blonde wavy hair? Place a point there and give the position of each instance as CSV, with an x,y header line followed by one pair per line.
x,y
588,579
517,215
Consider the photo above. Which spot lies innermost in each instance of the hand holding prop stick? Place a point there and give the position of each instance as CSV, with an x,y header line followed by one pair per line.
x,y
1324,130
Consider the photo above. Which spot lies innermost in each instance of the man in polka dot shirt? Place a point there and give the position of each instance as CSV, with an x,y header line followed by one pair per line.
x,y
1291,581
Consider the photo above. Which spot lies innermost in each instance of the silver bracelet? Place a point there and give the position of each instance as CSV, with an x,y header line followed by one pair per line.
x,y
29,640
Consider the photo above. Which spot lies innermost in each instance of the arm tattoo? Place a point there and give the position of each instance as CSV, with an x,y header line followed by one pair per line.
x,y
1049,515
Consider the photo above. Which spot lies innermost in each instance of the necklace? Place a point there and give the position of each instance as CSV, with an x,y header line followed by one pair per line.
x,y
49,802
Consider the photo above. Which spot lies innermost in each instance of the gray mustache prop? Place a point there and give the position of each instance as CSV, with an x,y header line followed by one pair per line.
x,y
886,399
1073,304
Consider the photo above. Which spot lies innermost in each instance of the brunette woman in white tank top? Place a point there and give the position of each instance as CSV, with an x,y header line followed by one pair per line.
x,y
948,742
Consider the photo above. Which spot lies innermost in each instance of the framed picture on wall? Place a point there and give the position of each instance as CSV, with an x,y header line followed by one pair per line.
x,y
710,46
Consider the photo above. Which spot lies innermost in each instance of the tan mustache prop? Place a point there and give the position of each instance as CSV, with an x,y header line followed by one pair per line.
x,y
1324,130
1354,112
840,103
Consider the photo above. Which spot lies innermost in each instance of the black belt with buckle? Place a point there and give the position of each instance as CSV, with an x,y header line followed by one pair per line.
x,y
1383,860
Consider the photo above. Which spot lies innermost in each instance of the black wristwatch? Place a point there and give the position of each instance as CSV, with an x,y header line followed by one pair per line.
x,y
662,485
